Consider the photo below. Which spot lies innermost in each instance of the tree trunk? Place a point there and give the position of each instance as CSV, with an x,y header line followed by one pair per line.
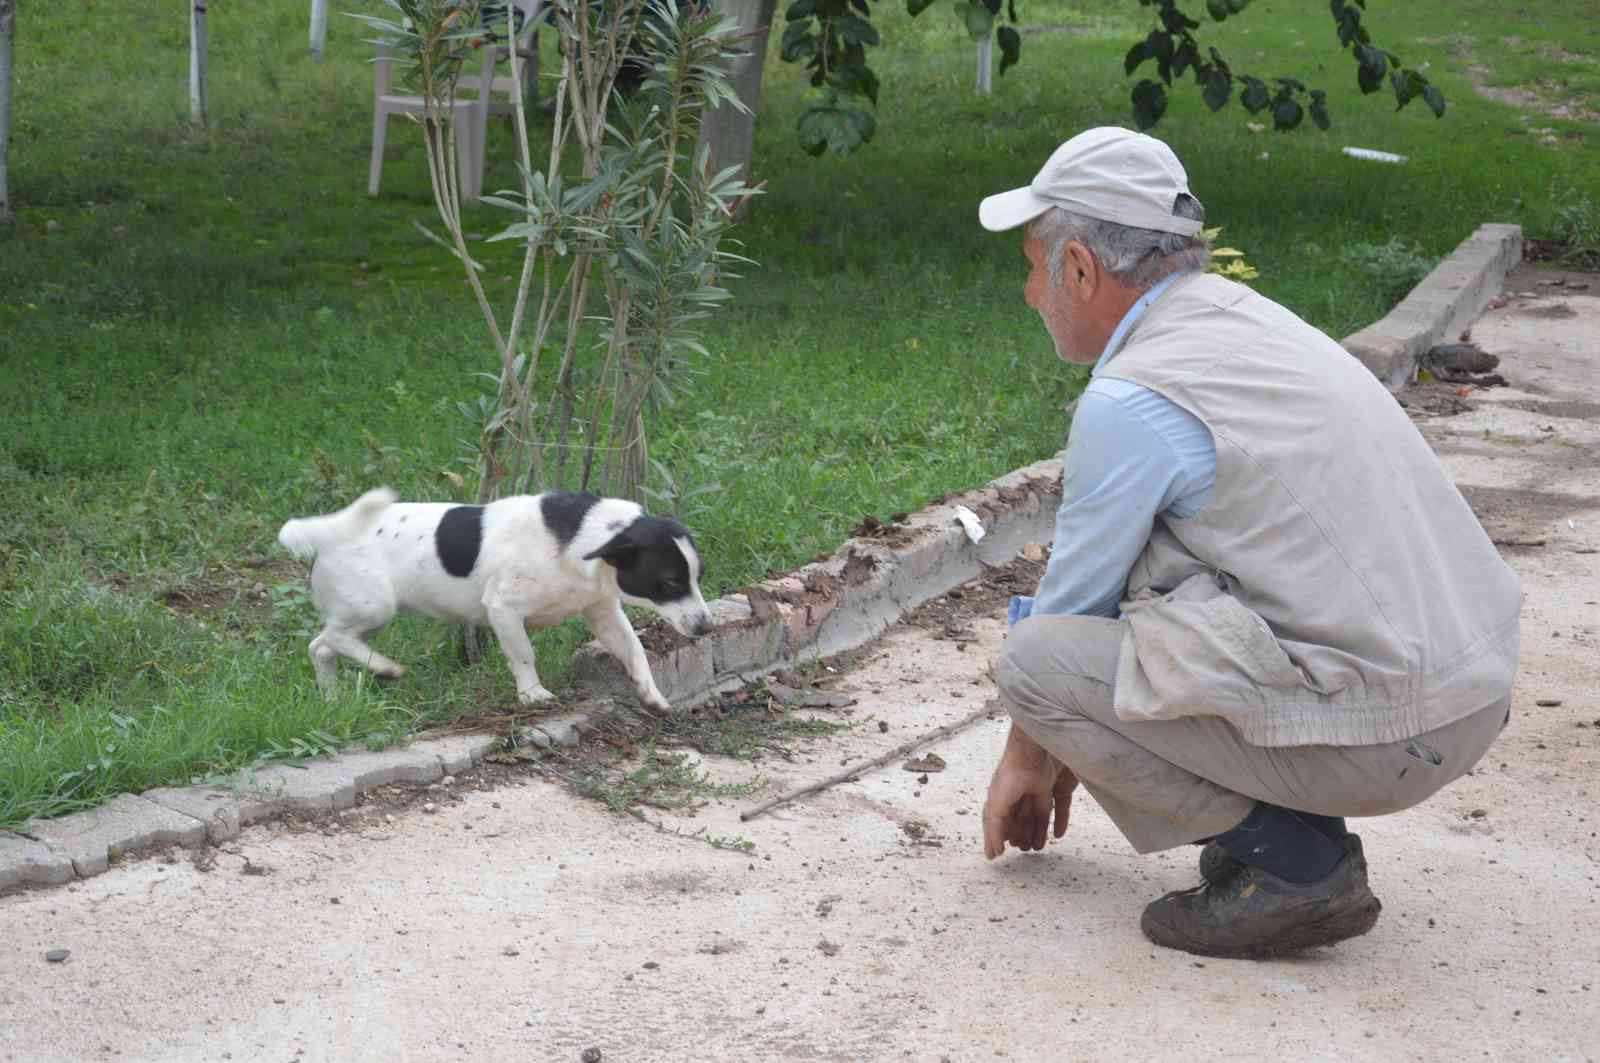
x,y
730,135
319,27
197,62
8,26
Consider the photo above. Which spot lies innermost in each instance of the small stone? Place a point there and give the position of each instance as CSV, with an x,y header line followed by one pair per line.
x,y
429,806
52,226
387,818
651,965
57,955
448,780
590,1055
510,950
883,726
923,779
1478,813
1548,703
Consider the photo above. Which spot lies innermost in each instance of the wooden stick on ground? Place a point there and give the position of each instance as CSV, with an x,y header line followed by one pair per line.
x,y
879,761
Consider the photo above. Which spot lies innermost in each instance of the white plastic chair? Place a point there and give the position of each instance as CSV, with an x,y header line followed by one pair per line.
x,y
470,109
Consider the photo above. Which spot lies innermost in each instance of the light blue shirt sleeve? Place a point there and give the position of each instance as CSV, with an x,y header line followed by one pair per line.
x,y
1132,456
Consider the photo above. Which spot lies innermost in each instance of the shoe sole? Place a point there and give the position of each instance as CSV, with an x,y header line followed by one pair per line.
x,y
1340,926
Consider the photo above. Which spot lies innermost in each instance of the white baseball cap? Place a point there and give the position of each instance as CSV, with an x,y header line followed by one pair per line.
x,y
1109,173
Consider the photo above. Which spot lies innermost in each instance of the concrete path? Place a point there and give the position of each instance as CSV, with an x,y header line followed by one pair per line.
x,y
524,923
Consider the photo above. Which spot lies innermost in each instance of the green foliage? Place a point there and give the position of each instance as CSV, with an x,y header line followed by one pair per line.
x,y
650,218
830,38
1396,265
1578,226
1175,51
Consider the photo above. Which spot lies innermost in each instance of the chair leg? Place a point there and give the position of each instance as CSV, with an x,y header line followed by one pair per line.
x,y
380,129
471,135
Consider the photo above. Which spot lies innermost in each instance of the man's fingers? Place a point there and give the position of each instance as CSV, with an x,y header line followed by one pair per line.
x,y
1021,833
1063,810
993,841
1066,782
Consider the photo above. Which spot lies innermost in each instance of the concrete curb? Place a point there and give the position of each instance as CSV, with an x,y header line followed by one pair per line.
x,y
848,599
1447,301
821,609
84,844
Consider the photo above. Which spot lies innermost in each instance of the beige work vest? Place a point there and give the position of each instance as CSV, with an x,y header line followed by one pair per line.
x,y
1337,589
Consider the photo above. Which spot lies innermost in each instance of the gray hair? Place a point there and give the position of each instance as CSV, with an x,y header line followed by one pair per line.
x,y
1138,258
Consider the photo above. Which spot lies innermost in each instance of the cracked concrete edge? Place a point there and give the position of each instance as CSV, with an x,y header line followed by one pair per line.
x,y
83,844
1439,308
849,598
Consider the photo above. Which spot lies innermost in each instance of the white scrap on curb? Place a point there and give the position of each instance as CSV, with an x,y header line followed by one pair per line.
x,y
1375,156
969,520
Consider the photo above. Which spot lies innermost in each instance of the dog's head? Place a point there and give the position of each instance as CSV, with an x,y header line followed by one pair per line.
x,y
658,567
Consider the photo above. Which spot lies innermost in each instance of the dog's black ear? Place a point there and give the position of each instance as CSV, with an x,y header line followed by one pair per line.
x,y
619,551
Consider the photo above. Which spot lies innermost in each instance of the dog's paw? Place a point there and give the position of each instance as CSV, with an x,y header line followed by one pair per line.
x,y
394,671
655,703
534,696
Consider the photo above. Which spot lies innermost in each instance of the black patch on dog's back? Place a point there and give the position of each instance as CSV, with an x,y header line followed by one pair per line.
x,y
457,539
564,512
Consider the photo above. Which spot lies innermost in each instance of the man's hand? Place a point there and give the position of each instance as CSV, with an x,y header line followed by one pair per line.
x,y
1027,783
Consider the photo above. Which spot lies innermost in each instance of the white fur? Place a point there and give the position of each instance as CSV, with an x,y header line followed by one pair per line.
x,y
378,556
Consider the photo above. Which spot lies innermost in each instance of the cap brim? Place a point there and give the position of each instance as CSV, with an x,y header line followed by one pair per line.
x,y
1011,209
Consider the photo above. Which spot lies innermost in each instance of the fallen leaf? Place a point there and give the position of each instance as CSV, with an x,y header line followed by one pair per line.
x,y
930,762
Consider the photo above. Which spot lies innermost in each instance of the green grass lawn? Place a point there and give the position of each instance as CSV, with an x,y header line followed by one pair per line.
x,y
205,332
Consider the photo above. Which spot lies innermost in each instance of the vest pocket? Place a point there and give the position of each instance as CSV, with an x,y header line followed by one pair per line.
x,y
1199,651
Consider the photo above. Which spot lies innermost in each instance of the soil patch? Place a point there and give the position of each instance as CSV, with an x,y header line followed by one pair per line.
x,y
951,614
1515,517
894,533
1435,399
249,586
1576,411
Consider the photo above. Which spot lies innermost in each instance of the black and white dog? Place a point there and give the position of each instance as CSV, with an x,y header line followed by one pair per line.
x,y
528,561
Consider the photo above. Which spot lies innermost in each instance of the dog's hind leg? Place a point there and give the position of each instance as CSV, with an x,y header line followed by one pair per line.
x,y
325,663
610,625
506,619
349,644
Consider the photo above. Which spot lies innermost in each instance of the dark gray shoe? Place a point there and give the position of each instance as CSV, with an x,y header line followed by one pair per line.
x,y
1216,864
1252,914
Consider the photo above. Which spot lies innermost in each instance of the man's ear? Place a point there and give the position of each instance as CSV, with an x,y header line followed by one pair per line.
x,y
619,551
1082,271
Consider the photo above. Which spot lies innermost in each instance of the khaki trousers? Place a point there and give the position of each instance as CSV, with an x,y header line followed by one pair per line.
x,y
1165,783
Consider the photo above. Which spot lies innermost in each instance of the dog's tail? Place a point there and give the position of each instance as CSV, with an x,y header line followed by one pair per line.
x,y
305,537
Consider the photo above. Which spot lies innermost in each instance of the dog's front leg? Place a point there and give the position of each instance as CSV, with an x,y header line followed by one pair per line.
x,y
506,619
610,625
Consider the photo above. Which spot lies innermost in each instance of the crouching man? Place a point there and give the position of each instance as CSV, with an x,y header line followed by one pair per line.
x,y
1267,608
